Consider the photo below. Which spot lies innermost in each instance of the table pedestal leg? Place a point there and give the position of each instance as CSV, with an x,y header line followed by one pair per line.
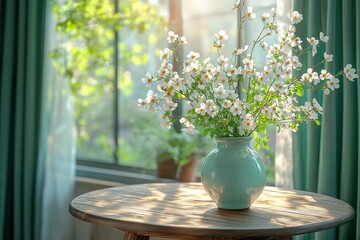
x,y
134,236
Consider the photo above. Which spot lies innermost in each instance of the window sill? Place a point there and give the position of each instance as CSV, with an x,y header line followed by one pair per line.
x,y
117,176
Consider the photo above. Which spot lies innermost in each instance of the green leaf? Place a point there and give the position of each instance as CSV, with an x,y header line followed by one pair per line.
x,y
206,131
191,111
299,91
261,129
276,56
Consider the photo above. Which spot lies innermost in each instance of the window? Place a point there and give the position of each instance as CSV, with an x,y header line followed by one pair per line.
x,y
107,48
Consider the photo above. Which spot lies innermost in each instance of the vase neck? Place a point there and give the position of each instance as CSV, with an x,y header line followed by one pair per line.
x,y
233,141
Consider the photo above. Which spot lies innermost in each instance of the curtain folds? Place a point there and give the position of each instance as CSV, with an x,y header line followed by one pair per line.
x,y
21,137
60,152
326,158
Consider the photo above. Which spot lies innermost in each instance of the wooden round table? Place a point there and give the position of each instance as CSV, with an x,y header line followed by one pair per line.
x,y
185,211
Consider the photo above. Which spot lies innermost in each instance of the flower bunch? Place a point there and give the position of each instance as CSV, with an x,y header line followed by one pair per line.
x,y
231,96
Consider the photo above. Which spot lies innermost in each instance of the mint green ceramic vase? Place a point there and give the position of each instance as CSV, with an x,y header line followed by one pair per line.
x,y
233,174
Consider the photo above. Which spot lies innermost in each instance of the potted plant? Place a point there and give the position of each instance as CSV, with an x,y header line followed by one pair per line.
x,y
179,154
234,101
176,155
174,151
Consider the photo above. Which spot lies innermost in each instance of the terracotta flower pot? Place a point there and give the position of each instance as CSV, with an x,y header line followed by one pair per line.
x,y
167,168
188,171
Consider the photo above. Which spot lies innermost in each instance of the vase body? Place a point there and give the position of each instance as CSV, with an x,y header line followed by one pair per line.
x,y
233,174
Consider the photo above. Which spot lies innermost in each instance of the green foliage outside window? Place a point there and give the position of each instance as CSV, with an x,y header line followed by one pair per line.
x,y
86,58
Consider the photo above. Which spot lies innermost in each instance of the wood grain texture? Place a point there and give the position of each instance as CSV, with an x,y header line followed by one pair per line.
x,y
185,211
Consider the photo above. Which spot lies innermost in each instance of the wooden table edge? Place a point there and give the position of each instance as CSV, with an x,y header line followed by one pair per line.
x,y
146,229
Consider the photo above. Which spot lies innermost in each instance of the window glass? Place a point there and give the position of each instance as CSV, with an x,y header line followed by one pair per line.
x,y
85,59
109,46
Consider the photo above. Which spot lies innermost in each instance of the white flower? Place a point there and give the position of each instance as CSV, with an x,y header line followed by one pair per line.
x,y
235,109
166,124
326,91
148,79
182,40
350,72
324,74
226,103
304,78
232,94
202,109
328,57
241,130
222,36
347,68
317,105
193,55
207,77
218,44
296,17
265,17
312,76
313,42
260,77
267,71
248,122
210,102
309,111
323,37
273,12
250,13
217,71
170,106
186,122
151,99
172,37
264,45
193,68
213,110
333,83
241,50
268,111
165,53
232,71
222,60
142,103
248,63
236,4
313,51
163,71
207,62
241,104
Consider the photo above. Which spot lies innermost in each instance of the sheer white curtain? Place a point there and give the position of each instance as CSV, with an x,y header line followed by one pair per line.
x,y
60,156
283,152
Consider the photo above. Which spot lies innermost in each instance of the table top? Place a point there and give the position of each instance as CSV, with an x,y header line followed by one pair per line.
x,y
185,211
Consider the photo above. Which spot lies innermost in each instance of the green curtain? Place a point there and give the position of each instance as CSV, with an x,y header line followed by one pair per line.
x,y
326,158
21,142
